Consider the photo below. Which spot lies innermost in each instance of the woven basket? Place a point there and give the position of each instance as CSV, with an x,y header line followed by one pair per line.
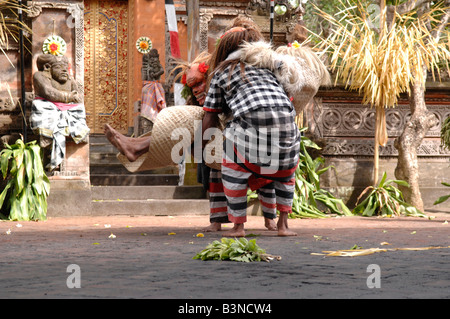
x,y
161,144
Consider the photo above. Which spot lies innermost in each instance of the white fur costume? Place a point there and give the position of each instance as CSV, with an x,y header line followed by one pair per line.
x,y
299,70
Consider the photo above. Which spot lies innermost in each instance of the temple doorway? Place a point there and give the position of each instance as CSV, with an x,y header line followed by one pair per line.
x,y
106,64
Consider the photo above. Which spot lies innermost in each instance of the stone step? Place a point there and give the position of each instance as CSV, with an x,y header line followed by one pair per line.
x,y
76,198
100,144
151,207
106,169
119,169
147,192
103,158
115,191
133,179
101,151
106,148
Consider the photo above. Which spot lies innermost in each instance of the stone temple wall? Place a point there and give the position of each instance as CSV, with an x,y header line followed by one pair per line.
x,y
345,130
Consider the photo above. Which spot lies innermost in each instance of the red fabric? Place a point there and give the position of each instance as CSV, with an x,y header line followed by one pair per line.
x,y
218,210
60,105
216,187
174,44
237,220
235,192
212,110
153,99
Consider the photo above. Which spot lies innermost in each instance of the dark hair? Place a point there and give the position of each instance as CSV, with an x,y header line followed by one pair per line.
x,y
230,42
246,23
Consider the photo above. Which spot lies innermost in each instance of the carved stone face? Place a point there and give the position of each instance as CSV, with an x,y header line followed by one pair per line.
x,y
60,72
197,82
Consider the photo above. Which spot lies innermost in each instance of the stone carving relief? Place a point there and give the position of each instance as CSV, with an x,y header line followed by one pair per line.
x,y
205,17
364,147
348,129
259,11
358,120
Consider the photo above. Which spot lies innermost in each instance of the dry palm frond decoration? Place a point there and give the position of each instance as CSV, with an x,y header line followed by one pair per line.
x,y
10,25
369,251
381,63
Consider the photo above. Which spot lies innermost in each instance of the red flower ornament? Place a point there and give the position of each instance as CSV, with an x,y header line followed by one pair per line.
x,y
203,67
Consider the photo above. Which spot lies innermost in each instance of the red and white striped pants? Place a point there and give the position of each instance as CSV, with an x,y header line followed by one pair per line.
x,y
273,196
218,199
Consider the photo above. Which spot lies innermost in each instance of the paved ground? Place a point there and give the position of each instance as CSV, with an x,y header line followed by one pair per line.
x,y
151,257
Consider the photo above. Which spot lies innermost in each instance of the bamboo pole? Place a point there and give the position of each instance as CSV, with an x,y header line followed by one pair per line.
x,y
379,108
193,29
22,73
380,139
272,4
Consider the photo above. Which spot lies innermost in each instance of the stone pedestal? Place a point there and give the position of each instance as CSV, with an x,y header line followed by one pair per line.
x,y
70,188
76,162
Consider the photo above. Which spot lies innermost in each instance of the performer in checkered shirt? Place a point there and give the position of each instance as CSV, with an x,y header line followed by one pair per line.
x,y
262,141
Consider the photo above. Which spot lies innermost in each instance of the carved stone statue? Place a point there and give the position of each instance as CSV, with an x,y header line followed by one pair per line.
x,y
57,110
151,67
52,81
153,95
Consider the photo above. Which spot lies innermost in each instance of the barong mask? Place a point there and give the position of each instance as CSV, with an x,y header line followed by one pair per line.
x,y
193,76
194,80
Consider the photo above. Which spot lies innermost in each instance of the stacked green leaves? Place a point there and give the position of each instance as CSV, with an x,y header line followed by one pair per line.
x,y
242,250
310,200
27,188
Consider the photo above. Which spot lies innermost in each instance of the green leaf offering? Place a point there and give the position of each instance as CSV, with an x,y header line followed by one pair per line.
x,y
242,250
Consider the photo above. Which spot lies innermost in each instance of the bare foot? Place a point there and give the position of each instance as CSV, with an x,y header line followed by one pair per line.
x,y
116,139
283,229
236,231
132,148
286,233
270,224
213,227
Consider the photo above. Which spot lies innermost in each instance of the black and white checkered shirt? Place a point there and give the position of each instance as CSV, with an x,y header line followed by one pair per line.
x,y
263,128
